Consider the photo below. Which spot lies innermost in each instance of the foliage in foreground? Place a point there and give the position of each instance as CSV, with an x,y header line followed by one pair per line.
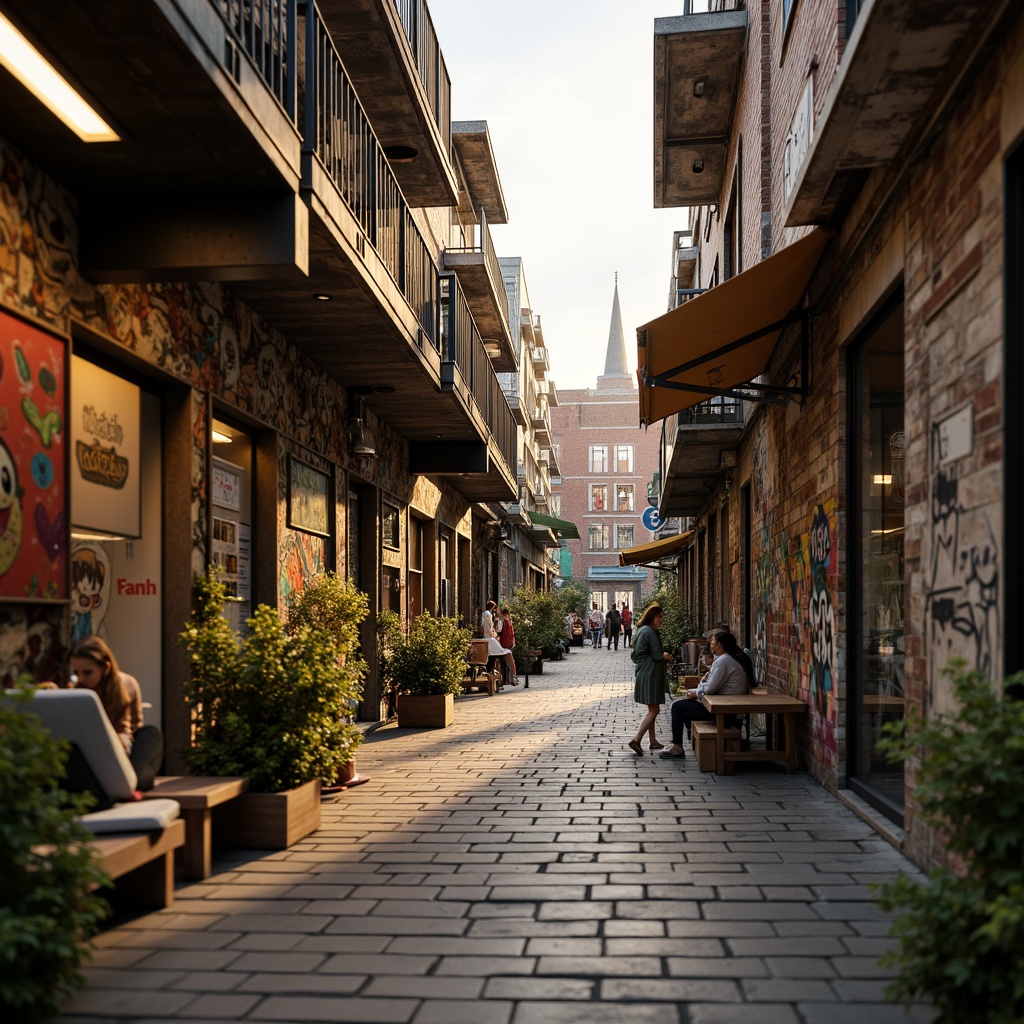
x,y
961,933
48,870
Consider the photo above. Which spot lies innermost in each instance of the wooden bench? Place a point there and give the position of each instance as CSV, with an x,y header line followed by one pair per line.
x,y
142,863
703,737
197,796
779,705
478,675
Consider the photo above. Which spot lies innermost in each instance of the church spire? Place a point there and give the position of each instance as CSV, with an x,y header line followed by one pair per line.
x,y
615,358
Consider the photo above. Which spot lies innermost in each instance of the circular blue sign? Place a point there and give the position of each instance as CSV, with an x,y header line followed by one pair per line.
x,y
651,519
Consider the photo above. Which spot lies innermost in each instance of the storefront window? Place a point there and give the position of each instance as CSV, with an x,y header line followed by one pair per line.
x,y
877,521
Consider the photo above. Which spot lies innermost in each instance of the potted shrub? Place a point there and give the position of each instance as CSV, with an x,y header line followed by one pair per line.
x,y
389,634
273,709
335,606
428,664
48,909
539,622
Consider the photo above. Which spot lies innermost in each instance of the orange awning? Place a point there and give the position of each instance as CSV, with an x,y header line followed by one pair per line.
x,y
724,338
644,553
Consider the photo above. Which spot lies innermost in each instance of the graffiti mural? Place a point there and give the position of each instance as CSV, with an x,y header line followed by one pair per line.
x,y
962,601
820,615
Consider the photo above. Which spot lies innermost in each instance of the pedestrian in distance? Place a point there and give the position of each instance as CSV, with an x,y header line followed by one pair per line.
x,y
596,620
627,625
650,675
614,625
731,674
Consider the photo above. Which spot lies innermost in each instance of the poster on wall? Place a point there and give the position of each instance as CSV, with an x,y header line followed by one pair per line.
x,y
226,485
308,503
33,474
225,552
105,482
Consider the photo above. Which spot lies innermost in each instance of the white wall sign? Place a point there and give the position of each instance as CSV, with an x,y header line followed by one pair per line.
x,y
798,141
104,411
956,435
226,485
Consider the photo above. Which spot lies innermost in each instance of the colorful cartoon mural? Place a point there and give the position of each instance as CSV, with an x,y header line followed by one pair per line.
x,y
90,589
33,485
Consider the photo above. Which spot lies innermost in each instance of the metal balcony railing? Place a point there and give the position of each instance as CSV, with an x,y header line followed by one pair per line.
x,y
486,247
419,30
462,345
264,30
338,134
712,6
717,410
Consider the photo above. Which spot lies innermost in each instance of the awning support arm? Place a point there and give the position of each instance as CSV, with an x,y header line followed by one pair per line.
x,y
773,393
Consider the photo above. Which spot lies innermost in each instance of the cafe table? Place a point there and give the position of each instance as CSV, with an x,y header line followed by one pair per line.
x,y
779,704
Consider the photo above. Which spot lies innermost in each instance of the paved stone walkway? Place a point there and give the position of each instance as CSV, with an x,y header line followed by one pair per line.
x,y
524,867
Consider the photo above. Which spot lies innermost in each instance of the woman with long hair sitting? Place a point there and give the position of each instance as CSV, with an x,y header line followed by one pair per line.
x,y
95,668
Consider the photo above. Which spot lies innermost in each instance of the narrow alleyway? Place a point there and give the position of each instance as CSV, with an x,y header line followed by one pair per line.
x,y
524,867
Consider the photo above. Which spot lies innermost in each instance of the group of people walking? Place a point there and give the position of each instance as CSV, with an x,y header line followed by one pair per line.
x,y
731,673
611,626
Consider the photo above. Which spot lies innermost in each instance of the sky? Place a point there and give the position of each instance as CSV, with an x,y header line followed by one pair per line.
x,y
567,90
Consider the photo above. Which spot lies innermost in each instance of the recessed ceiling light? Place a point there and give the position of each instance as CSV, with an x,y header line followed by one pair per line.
x,y
48,86
400,154
698,166
322,296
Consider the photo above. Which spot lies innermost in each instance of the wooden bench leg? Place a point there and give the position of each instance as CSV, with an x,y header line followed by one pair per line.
x,y
197,853
151,885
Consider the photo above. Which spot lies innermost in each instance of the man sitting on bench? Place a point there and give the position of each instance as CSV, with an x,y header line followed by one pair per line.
x,y
731,674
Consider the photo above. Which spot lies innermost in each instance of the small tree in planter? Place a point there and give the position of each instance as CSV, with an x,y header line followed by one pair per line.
x,y
678,625
538,621
336,607
389,635
428,664
47,872
273,710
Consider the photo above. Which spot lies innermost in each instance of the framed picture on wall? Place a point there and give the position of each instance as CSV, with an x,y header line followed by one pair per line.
x,y
308,498
33,461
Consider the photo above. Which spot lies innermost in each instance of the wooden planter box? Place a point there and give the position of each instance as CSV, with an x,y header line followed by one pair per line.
x,y
436,711
269,821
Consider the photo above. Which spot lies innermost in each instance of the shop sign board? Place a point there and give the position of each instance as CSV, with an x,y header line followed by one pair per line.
x,y
33,462
106,496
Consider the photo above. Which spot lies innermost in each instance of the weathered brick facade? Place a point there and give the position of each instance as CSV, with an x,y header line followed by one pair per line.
x,y
920,237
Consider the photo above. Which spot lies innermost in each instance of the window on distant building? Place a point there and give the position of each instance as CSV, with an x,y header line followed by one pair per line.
x,y
598,537
623,458
599,458
624,536
598,497
624,498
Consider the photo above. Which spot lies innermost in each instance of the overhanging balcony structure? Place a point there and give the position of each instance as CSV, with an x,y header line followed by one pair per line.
x,y
203,181
900,66
697,59
395,63
540,421
700,447
370,312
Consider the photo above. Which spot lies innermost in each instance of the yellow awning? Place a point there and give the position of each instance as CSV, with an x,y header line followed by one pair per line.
x,y
725,337
644,553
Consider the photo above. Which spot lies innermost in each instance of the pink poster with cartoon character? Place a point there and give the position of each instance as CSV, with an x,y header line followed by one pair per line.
x,y
33,478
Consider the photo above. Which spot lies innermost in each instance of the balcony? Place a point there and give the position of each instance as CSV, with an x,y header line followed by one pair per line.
x,y
203,98
395,63
552,395
900,58
480,277
541,362
696,78
482,463
699,448
540,422
510,388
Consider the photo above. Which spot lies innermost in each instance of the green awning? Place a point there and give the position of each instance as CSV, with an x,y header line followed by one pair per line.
x,y
562,529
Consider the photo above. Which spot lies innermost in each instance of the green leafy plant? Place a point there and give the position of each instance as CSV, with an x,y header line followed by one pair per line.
x,y
572,596
335,607
277,708
538,621
678,625
389,633
961,934
431,658
48,871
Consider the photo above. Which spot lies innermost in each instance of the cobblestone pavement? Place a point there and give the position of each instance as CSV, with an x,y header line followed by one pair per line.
x,y
525,867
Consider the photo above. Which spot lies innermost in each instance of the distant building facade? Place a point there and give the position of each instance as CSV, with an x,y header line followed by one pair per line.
x,y
606,463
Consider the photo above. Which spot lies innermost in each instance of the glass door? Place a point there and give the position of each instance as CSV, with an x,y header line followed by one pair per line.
x,y
877,557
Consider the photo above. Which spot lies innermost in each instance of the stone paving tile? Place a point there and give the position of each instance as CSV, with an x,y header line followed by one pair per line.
x,y
524,867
